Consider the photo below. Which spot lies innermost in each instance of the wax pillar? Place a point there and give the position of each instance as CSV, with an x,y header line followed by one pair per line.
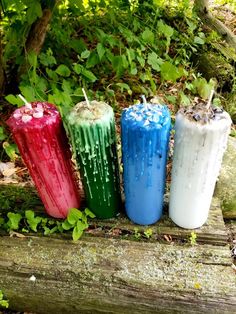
x,y
145,132
200,141
92,132
42,142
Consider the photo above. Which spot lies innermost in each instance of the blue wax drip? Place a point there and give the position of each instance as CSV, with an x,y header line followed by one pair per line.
x,y
145,131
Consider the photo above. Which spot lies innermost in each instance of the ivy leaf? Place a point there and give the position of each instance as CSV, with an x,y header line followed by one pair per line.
x,y
74,215
14,220
170,72
101,50
148,36
154,61
63,70
76,234
89,213
66,225
32,220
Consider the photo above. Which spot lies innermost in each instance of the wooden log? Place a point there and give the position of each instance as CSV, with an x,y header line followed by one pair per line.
x,y
109,273
99,275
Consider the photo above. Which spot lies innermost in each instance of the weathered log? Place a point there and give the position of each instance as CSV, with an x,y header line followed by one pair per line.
x,y
99,275
110,272
202,9
214,65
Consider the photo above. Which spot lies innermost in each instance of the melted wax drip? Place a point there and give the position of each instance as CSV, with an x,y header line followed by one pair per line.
x,y
92,133
44,148
145,137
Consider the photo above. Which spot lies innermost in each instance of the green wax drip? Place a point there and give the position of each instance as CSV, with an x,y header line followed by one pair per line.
x,y
92,133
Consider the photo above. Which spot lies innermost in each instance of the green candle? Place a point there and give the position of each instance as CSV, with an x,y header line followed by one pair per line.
x,y
91,128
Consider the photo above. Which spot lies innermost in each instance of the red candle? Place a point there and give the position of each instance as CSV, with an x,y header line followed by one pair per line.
x,y
38,131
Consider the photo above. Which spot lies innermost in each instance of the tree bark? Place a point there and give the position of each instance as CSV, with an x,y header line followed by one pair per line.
x,y
37,34
202,9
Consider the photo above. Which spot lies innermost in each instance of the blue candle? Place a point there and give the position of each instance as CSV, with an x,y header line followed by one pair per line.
x,y
145,130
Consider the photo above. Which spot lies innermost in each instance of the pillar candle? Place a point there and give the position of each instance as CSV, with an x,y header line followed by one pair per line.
x,y
145,132
200,141
39,134
91,128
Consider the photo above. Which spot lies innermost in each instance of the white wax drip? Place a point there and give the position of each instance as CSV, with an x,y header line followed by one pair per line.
x,y
198,153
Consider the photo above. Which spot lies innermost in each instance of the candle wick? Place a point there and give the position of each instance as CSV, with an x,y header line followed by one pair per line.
x,y
86,97
27,104
210,99
145,102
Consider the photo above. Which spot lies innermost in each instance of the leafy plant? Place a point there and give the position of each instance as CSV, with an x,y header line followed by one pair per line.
x,y
27,221
3,303
148,233
193,238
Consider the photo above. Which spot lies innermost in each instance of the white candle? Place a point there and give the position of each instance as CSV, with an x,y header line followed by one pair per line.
x,y
200,141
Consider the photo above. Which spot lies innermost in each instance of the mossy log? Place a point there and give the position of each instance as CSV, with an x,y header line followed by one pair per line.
x,y
214,65
104,273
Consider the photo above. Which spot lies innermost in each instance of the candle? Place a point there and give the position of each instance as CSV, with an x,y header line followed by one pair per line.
x,y
38,131
201,134
91,127
145,137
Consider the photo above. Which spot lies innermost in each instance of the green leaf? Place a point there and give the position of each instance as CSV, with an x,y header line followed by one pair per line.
x,y
148,36
32,58
170,72
184,99
66,225
165,29
2,134
92,60
154,61
78,68
89,75
34,11
101,50
85,54
10,150
28,92
141,60
203,88
89,213
47,59
198,40
76,234
74,215
32,220
63,70
14,220
14,100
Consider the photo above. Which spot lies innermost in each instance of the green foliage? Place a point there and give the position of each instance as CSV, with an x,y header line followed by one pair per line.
x,y
114,49
148,233
193,238
27,221
3,303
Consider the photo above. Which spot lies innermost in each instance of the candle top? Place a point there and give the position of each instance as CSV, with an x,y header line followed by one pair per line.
x,y
41,113
95,112
201,114
147,115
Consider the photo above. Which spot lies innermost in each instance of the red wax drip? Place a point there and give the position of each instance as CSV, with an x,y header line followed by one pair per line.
x,y
44,148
